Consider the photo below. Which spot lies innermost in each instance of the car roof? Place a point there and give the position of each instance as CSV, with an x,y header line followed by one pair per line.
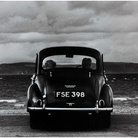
x,y
69,51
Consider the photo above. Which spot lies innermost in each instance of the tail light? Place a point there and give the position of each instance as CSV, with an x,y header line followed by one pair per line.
x,y
101,103
39,102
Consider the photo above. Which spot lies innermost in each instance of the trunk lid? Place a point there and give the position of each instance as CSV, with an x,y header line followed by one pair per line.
x,y
70,88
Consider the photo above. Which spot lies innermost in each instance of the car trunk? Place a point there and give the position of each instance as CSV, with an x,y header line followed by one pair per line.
x,y
70,88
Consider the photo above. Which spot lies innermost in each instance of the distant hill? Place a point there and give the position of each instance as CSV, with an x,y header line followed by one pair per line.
x,y
17,69
28,68
120,67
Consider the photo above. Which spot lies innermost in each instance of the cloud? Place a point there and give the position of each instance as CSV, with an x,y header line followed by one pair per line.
x,y
29,26
49,17
19,52
17,17
107,16
108,7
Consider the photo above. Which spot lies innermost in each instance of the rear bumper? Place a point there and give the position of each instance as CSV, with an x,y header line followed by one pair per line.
x,y
96,109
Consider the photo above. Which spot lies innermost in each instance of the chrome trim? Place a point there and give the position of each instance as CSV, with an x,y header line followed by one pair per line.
x,y
69,109
70,104
101,102
70,86
97,106
50,74
44,104
90,75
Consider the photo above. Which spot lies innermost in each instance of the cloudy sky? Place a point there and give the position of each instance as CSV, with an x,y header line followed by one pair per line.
x,y
27,27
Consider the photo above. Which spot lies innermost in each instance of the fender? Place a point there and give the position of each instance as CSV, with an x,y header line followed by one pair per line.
x,y
99,83
107,95
33,94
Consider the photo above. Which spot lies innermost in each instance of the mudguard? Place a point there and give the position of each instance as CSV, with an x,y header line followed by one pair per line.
x,y
33,95
107,95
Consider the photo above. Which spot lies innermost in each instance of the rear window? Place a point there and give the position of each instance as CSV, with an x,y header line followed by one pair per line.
x,y
61,61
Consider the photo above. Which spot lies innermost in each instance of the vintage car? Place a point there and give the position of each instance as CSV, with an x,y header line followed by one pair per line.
x,y
69,80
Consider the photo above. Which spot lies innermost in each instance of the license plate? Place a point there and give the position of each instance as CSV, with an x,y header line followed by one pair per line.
x,y
67,94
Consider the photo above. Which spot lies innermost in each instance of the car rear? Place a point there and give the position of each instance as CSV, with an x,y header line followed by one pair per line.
x,y
70,88
66,86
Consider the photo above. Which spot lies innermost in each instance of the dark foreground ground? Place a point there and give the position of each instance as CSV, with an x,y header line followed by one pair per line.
x,y
18,126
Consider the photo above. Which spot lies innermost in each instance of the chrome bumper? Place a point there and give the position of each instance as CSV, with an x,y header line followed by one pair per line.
x,y
96,109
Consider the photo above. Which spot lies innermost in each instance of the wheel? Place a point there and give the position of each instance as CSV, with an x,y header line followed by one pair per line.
x,y
106,119
107,96
35,120
102,120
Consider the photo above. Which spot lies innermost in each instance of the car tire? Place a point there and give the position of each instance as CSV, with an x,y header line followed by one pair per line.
x,y
35,120
105,119
102,120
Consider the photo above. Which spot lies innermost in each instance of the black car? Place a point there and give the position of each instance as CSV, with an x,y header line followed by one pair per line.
x,y
70,80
